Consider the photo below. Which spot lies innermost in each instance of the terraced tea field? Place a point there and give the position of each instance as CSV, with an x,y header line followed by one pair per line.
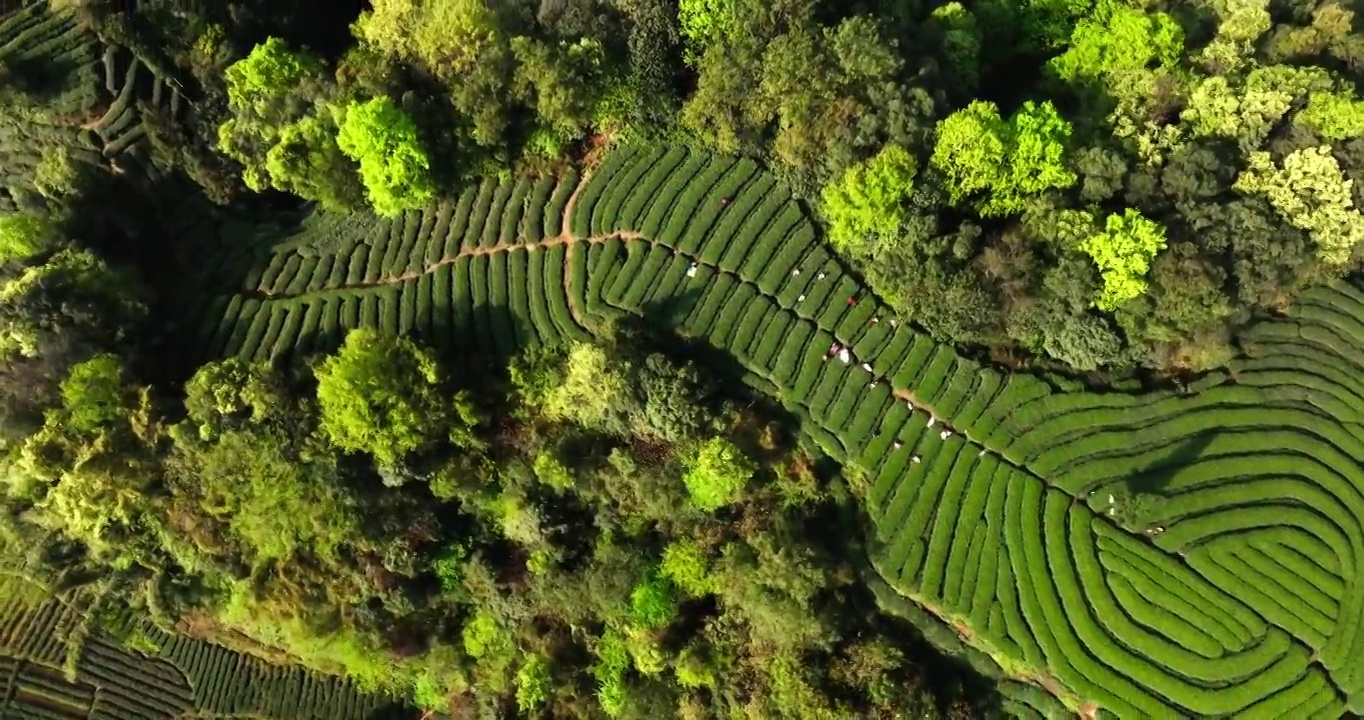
x,y
96,106
173,676
1142,555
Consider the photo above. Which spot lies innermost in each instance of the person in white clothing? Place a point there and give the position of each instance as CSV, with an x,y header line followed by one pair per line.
x,y
691,271
845,356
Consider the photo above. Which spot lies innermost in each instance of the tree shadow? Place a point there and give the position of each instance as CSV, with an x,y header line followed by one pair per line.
x,y
1136,500
1155,477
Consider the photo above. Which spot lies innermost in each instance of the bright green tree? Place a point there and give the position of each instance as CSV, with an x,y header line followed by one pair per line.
x,y
1334,115
717,474
1123,252
230,393
1002,162
95,394
447,37
587,387
393,164
277,131
383,396
866,206
266,77
1310,192
87,469
1127,39
534,686
23,235
686,566
703,23
1247,109
652,603
1240,25
613,661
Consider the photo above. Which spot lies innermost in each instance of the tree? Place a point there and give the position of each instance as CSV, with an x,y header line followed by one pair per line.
x,y
278,130
268,77
384,396
717,474
1242,23
1123,252
88,469
393,164
1126,39
866,206
981,154
463,44
685,565
560,81
230,394
652,603
703,23
1309,192
1334,115
23,235
580,386
447,37
960,41
534,685
55,311
94,395
1246,110
306,161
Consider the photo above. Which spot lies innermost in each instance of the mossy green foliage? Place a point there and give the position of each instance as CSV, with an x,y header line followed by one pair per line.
x,y
23,236
1000,162
704,22
270,73
1123,253
393,163
717,474
533,684
686,566
1334,115
866,205
613,660
383,396
280,130
94,395
1124,40
652,604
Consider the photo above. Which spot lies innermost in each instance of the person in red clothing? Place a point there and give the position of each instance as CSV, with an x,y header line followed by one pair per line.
x,y
851,302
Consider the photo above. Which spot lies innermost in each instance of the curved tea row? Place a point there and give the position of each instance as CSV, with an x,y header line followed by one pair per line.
x,y
1155,555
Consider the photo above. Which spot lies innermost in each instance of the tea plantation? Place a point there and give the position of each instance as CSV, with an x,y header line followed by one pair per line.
x,y
1170,554
1143,555
166,676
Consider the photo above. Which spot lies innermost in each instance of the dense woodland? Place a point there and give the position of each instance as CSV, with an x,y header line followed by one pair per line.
x,y
1095,188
